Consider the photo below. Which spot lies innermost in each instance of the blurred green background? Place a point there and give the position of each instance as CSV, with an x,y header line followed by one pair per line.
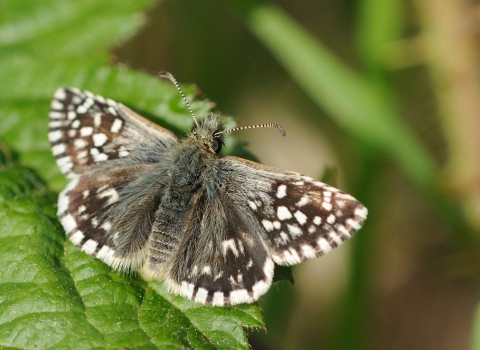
x,y
385,96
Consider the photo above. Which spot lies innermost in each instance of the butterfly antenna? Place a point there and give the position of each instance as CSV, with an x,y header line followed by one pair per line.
x,y
267,125
169,76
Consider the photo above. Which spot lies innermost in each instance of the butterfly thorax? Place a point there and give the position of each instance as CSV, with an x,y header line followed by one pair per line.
x,y
193,164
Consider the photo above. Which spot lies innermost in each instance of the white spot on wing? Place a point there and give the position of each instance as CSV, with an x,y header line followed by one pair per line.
x,y
229,244
331,219
77,237
54,136
304,200
81,109
99,139
207,270
327,206
187,289
97,120
55,123
252,205
80,143
106,226
353,224
362,212
112,193
116,126
308,251
301,217
283,213
281,191
86,131
100,157
259,289
89,246
76,124
268,225
56,104
291,256
106,254
59,149
335,238
218,275
64,164
123,153
324,245
82,154
56,115
294,230
112,110
60,94
201,295
239,296
218,299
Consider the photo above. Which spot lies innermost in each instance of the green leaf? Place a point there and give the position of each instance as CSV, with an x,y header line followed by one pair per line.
x,y
52,295
39,306
61,28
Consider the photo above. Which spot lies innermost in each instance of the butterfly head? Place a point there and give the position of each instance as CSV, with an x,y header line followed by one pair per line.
x,y
208,131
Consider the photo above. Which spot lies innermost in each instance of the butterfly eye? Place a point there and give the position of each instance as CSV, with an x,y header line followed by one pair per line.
x,y
217,145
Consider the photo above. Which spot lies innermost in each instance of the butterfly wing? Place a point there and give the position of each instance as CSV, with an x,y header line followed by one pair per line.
x,y
86,130
110,153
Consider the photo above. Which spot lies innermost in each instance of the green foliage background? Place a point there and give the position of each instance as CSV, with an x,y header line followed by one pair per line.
x,y
54,296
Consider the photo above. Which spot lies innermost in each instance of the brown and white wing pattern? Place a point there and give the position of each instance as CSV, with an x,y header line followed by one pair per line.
x,y
86,130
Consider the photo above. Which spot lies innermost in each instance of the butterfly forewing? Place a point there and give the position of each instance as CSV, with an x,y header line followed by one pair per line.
x,y
86,129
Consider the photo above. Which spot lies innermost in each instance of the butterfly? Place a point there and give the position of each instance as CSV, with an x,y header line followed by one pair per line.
x,y
210,227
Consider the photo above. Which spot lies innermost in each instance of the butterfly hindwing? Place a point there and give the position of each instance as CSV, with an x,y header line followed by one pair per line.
x,y
221,259
108,213
87,129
